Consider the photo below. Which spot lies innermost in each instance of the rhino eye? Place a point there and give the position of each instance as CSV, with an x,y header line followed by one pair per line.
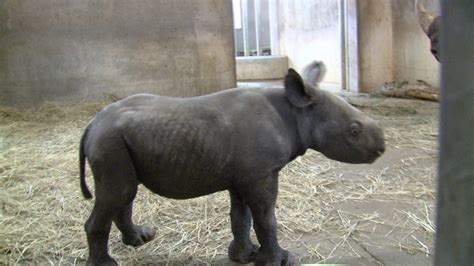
x,y
355,129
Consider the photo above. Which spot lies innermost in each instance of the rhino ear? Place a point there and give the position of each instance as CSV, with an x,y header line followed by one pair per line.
x,y
314,73
424,18
295,89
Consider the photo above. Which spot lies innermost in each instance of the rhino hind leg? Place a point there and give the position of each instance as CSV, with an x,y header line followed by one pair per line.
x,y
241,249
115,189
97,229
132,235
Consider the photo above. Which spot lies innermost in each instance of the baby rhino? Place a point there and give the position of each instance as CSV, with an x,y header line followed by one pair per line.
x,y
236,140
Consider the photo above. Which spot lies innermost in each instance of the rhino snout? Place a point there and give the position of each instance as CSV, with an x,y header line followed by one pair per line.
x,y
379,146
376,153
379,150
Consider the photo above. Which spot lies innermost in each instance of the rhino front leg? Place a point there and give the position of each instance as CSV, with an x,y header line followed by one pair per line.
x,y
241,249
132,235
262,200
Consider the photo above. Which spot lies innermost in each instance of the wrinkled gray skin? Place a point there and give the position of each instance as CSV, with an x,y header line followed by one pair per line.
x,y
236,140
431,25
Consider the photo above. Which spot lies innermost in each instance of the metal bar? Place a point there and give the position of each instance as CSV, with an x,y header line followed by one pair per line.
x,y
273,17
455,211
257,24
343,32
352,52
245,23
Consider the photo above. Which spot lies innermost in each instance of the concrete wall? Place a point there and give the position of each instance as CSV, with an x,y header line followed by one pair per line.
x,y
68,50
375,43
411,48
261,67
392,46
309,30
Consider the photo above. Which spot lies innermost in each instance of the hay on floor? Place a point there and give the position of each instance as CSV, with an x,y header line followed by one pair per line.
x,y
43,212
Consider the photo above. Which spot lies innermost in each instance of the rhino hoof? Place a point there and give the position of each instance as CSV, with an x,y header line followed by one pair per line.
x,y
282,257
105,261
141,235
242,253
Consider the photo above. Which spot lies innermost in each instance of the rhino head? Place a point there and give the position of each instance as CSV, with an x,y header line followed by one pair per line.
x,y
431,25
331,125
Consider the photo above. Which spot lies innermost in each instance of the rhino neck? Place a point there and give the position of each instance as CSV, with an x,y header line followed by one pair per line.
x,y
293,122
304,138
298,126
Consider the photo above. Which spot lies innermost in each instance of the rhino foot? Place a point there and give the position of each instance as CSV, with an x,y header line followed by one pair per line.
x,y
140,236
281,257
104,261
242,253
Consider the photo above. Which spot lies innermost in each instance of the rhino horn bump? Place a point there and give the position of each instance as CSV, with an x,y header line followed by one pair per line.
x,y
424,17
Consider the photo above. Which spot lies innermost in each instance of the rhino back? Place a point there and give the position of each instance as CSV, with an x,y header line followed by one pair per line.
x,y
188,147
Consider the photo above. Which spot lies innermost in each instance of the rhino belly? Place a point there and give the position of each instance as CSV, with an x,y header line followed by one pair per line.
x,y
186,161
185,185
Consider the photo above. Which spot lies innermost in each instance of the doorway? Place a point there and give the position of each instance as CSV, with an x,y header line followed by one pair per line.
x,y
302,31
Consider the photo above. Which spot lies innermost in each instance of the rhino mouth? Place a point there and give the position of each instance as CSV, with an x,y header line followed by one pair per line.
x,y
356,155
374,155
372,159
362,158
368,156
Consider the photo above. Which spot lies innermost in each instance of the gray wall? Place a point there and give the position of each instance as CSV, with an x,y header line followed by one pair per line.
x,y
392,45
309,30
411,48
375,43
71,50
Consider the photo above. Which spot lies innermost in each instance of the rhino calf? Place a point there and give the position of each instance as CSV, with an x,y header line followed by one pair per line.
x,y
236,140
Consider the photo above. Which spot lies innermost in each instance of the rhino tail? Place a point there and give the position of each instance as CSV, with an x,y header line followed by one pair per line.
x,y
82,167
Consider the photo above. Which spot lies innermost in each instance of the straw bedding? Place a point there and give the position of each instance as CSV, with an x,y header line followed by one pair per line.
x,y
327,211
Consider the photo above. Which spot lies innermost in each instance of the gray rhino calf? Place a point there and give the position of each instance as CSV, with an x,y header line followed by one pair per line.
x,y
236,140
